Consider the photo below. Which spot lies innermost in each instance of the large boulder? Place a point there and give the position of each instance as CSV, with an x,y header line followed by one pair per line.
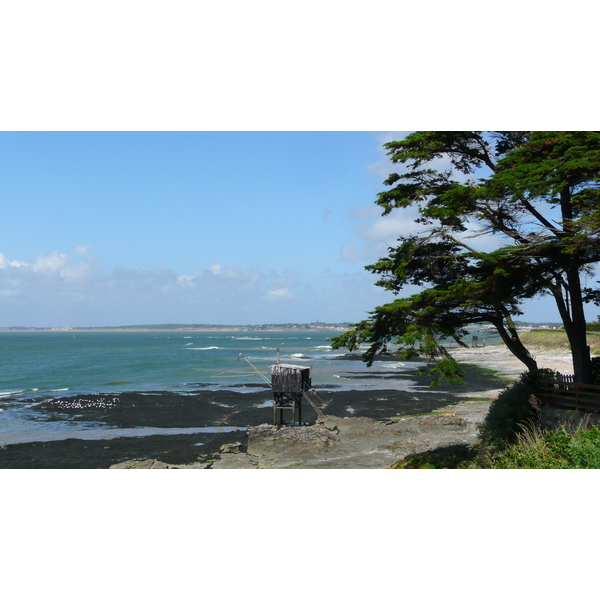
x,y
289,442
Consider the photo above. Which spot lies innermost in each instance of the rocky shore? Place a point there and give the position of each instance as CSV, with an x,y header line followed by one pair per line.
x,y
336,442
340,443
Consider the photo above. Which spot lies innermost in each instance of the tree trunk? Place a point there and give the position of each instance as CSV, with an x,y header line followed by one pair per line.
x,y
513,342
574,319
577,332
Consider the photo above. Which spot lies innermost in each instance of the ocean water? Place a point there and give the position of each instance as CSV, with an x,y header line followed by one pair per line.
x,y
46,363
39,367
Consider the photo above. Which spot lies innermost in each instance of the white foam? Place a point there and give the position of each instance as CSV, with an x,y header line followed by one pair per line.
x,y
222,405
11,393
207,348
265,404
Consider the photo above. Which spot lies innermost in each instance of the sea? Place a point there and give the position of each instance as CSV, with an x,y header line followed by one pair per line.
x,y
37,367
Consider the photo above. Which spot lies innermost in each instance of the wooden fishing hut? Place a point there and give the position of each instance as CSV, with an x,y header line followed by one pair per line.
x,y
289,383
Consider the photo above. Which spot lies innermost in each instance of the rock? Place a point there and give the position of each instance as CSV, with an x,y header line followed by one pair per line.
x,y
149,463
229,449
341,443
271,440
134,464
239,460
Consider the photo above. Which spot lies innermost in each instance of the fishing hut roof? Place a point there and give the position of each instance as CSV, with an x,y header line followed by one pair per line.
x,y
290,378
286,366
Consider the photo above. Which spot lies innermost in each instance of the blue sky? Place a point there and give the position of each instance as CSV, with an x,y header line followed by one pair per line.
x,y
115,228
200,227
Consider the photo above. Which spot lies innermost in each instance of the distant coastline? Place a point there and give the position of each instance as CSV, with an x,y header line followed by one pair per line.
x,y
301,327
317,326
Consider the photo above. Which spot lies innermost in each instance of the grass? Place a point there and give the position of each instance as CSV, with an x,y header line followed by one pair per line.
x,y
551,450
534,449
556,339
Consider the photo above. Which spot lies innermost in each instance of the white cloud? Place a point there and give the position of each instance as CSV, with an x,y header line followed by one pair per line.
x,y
74,290
63,290
400,222
50,263
377,233
73,273
5,263
278,294
83,250
187,282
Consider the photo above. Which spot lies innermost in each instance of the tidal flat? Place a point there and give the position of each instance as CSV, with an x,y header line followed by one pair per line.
x,y
221,408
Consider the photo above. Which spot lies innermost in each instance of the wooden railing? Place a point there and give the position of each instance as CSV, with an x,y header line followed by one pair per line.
x,y
566,394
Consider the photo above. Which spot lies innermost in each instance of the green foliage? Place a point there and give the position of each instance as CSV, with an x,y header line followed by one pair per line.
x,y
411,324
510,411
552,450
532,449
528,174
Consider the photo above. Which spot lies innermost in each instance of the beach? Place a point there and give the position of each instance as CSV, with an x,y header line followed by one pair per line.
x,y
499,358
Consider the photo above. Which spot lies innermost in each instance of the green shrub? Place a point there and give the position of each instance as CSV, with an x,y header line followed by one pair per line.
x,y
552,450
513,407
